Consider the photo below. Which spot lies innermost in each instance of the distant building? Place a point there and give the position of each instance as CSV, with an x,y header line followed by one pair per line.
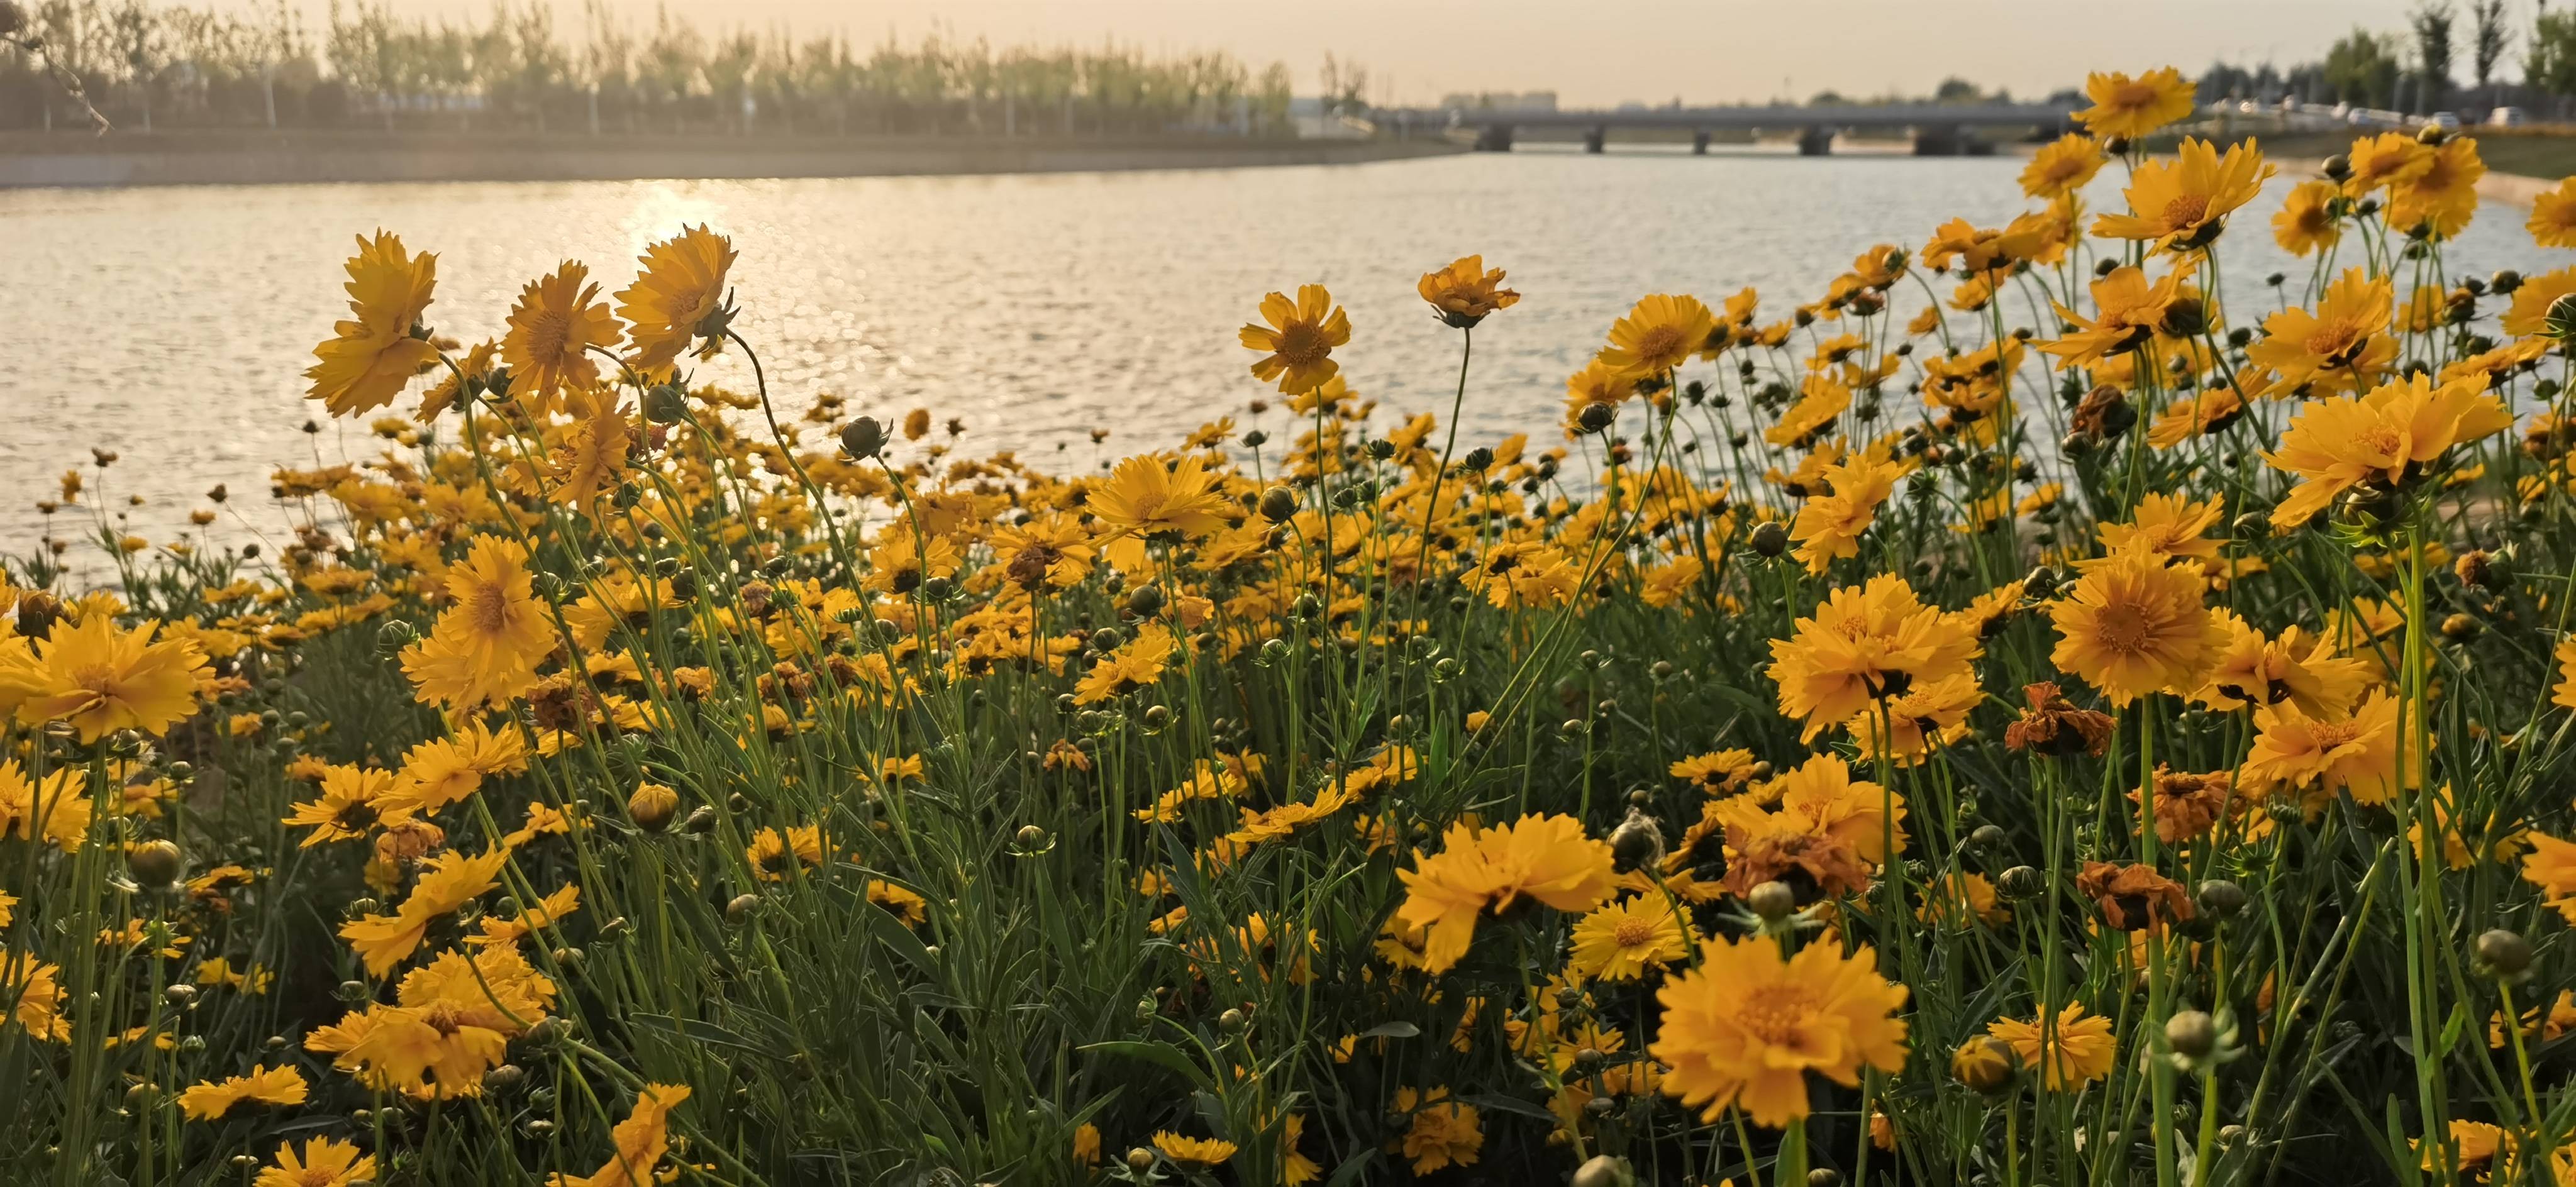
x,y
1540,102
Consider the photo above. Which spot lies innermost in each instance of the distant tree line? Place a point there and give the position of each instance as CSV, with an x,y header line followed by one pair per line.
x,y
1952,90
162,67
2450,56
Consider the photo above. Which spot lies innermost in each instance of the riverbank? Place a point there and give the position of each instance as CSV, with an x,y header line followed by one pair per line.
x,y
33,160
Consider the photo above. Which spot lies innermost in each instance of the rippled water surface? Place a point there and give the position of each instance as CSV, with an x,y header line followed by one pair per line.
x,y
171,325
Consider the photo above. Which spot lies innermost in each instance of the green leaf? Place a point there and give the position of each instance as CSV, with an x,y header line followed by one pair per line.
x,y
1391,1030
1164,1054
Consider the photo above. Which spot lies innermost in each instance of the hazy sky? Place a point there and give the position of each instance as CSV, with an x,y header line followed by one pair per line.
x,y
1604,51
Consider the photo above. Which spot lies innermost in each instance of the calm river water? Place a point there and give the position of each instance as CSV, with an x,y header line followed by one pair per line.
x,y
172,325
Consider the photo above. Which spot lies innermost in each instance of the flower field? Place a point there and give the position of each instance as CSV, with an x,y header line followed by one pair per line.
x,y
2030,714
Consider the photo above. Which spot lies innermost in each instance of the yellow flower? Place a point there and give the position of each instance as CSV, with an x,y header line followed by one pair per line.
x,y
2062,167
2551,866
367,360
1299,339
681,287
1146,497
1442,1132
56,808
2387,159
2167,527
282,1085
2356,752
1621,940
100,679
2127,313
1192,1151
327,1162
447,881
2553,216
36,997
353,801
2135,626
1829,527
451,1023
444,771
1464,292
552,329
590,456
1863,645
2307,223
2344,344
485,647
2443,195
2529,313
2184,203
772,853
2076,1051
2299,669
1547,858
2383,438
641,1139
1744,1028
1660,333
2125,106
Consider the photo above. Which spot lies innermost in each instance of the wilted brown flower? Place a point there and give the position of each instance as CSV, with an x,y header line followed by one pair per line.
x,y
2186,804
2133,896
2054,726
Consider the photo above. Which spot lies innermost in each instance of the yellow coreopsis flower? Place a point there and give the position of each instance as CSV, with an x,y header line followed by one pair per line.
x,y
1864,644
2062,167
281,1085
1191,1151
32,998
2184,203
99,679
2078,1049
1144,497
2441,197
2529,313
641,1141
1829,527
2338,443
2553,216
1620,941
2136,626
1744,1028
2355,752
2125,106
1547,858
370,357
1661,332
2128,310
55,808
2308,220
448,881
326,1162
1299,339
2343,345
552,330
681,287
1465,292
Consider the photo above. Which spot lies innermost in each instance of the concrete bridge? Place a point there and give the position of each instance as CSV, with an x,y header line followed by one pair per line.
x,y
1938,129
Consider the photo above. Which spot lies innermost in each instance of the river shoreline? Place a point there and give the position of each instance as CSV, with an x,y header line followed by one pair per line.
x,y
61,160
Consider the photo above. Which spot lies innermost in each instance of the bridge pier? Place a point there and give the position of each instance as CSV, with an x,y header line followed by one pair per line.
x,y
1699,142
1816,142
1949,140
1494,138
1595,138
